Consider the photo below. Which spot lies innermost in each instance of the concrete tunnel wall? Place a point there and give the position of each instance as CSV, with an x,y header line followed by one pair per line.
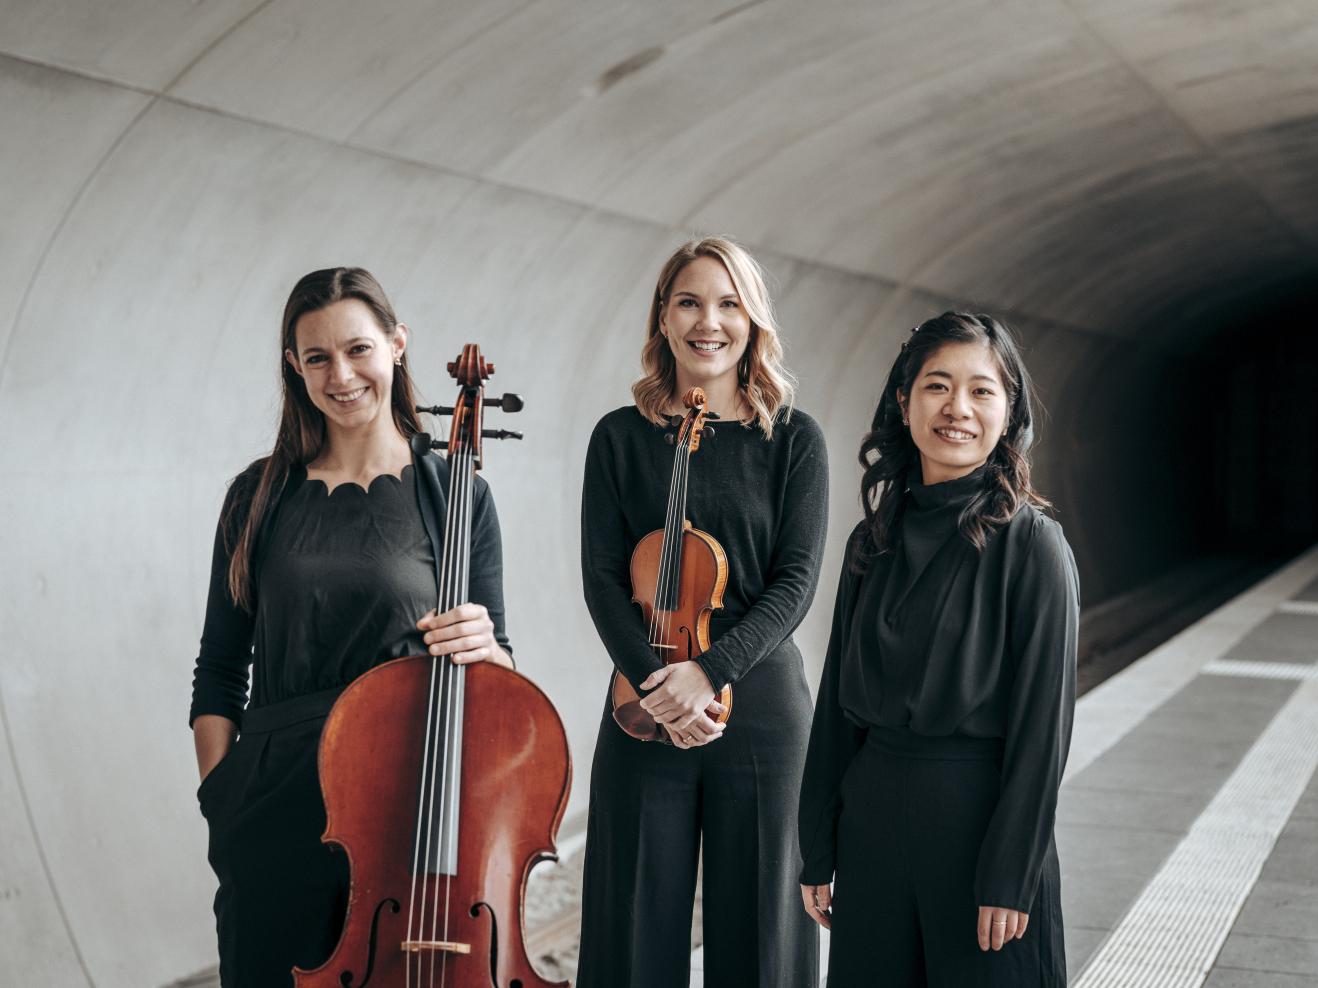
x,y
166,180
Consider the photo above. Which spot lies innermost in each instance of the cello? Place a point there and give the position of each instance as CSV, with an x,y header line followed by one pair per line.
x,y
678,576
445,784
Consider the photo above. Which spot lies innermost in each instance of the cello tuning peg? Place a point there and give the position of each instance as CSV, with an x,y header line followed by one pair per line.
x,y
508,402
707,432
711,415
434,409
500,434
422,444
669,438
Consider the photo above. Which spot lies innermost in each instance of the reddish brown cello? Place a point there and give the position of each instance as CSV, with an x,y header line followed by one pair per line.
x,y
444,784
678,575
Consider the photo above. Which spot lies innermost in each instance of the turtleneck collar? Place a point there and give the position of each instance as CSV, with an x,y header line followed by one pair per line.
x,y
929,497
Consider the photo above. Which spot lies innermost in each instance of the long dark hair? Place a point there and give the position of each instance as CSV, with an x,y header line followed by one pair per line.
x,y
301,436
888,453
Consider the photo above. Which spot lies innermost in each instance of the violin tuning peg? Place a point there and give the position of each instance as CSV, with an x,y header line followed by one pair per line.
x,y
707,432
434,409
500,434
711,415
439,444
669,438
420,444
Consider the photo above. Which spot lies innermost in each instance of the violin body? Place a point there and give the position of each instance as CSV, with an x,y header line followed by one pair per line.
x,y
681,634
515,769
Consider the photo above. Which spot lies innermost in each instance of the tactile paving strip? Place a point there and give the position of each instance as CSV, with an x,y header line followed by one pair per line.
x,y
1261,670
1173,932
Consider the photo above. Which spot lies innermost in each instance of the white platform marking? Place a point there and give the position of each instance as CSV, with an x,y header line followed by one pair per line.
x,y
1171,935
1309,607
1261,670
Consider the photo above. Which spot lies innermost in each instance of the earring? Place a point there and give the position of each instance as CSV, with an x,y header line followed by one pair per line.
x,y
398,361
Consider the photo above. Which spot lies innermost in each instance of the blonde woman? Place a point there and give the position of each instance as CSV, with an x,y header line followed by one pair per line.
x,y
722,793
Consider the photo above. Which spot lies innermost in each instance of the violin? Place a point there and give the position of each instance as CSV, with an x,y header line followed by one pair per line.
x,y
678,576
445,784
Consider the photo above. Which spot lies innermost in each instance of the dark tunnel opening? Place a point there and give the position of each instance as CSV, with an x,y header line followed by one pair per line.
x,y
1223,430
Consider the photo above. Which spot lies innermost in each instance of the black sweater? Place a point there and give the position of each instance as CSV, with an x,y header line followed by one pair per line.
x,y
939,639
766,502
342,578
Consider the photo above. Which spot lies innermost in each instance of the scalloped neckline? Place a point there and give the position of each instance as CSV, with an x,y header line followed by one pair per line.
x,y
364,491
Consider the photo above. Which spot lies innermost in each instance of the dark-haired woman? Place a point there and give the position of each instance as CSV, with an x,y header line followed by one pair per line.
x,y
759,486
325,565
943,716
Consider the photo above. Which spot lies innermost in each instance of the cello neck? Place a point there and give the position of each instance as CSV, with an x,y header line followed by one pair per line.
x,y
455,563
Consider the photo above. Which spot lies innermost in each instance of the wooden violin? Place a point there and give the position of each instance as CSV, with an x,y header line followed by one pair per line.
x,y
445,784
678,576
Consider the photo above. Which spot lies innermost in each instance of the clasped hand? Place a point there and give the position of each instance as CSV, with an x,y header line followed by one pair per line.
x,y
996,926
465,633
683,702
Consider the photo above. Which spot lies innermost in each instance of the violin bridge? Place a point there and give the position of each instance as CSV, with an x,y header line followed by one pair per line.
x,y
435,946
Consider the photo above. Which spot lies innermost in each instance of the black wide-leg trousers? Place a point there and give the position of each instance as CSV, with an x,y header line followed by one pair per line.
x,y
655,810
904,909
282,893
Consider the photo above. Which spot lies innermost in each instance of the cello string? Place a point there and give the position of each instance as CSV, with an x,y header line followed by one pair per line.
x,y
420,816
452,538
439,744
462,484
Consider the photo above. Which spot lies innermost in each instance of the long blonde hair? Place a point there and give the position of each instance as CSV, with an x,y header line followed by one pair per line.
x,y
763,382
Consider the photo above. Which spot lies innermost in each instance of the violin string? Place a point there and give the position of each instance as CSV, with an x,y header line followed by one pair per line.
x,y
663,561
659,634
675,551
672,538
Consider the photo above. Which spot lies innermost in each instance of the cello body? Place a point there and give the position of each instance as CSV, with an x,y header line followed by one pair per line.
x,y
514,765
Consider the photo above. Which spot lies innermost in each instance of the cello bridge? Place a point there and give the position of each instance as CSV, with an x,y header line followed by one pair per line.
x,y
435,947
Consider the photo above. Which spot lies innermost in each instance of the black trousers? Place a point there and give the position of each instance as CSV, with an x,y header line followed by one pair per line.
x,y
904,909
652,806
282,894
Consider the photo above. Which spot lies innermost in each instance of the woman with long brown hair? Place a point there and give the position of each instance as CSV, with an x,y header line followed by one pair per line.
x,y
325,565
944,712
724,794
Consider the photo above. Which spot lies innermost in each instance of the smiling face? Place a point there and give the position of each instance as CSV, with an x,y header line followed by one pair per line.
x,y
956,411
347,363
705,324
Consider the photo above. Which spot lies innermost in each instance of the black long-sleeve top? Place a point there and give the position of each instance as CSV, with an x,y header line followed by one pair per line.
x,y
940,639
765,501
342,577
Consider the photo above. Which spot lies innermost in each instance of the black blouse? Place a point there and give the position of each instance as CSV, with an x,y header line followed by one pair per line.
x,y
765,501
940,639
342,578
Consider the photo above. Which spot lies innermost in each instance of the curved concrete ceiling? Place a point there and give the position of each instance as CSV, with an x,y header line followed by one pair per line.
x,y
1110,174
